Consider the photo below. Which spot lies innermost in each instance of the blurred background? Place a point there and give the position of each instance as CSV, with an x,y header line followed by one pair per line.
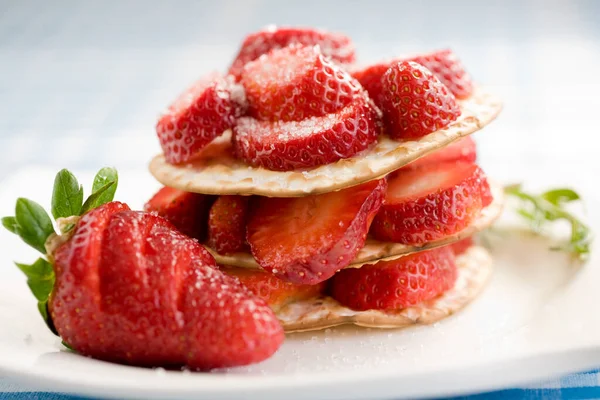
x,y
82,82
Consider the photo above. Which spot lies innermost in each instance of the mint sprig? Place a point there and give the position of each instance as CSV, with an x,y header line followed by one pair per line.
x,y
550,206
34,226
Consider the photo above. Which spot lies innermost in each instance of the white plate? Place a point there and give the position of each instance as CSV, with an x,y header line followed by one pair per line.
x,y
536,318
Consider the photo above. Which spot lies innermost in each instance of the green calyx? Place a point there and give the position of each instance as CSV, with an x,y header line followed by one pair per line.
x,y
550,206
35,227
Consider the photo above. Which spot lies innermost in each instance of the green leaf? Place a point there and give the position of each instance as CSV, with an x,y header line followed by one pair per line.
x,y
102,178
43,309
95,198
34,224
10,223
40,279
39,270
548,207
67,345
560,196
67,195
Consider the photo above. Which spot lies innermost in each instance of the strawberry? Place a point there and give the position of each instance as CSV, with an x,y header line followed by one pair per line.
x,y
429,203
414,102
442,63
449,70
285,146
227,224
274,291
306,240
462,245
200,114
187,211
396,284
126,286
296,82
463,150
338,47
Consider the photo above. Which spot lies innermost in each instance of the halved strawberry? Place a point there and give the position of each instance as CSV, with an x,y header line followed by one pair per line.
x,y
296,82
307,239
429,203
463,150
187,211
414,102
285,146
442,63
396,284
227,224
202,113
462,245
337,46
274,291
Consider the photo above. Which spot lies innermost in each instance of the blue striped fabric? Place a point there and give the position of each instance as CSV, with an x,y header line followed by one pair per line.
x,y
81,82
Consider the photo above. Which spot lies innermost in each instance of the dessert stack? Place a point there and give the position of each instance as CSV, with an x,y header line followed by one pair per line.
x,y
336,193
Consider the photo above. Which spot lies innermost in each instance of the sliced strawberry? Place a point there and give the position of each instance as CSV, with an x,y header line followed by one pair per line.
x,y
338,47
227,224
442,63
462,245
285,146
273,290
202,113
449,70
429,203
187,211
486,191
296,82
307,239
415,102
396,284
463,150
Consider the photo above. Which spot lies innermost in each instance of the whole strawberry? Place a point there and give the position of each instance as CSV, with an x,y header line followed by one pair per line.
x,y
415,102
126,286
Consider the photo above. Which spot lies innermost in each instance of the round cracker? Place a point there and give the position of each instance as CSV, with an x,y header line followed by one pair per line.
x,y
216,171
375,250
474,270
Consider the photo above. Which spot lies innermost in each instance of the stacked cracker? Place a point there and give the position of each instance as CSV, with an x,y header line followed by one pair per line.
x,y
211,164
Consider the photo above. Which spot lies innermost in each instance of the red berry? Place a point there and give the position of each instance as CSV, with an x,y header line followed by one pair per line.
x,y
338,47
463,150
274,291
307,239
202,113
285,146
429,203
462,245
296,82
396,284
442,63
187,211
227,224
131,289
414,102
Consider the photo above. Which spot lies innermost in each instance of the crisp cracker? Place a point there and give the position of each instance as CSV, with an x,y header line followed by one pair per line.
x,y
474,270
216,171
375,250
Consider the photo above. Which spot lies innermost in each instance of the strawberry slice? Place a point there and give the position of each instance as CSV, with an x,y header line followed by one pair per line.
x,y
429,203
337,46
273,290
296,82
187,211
202,113
285,146
307,239
442,63
463,150
462,245
415,102
227,224
396,284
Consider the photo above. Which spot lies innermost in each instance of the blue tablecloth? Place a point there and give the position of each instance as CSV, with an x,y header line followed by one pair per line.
x,y
81,82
